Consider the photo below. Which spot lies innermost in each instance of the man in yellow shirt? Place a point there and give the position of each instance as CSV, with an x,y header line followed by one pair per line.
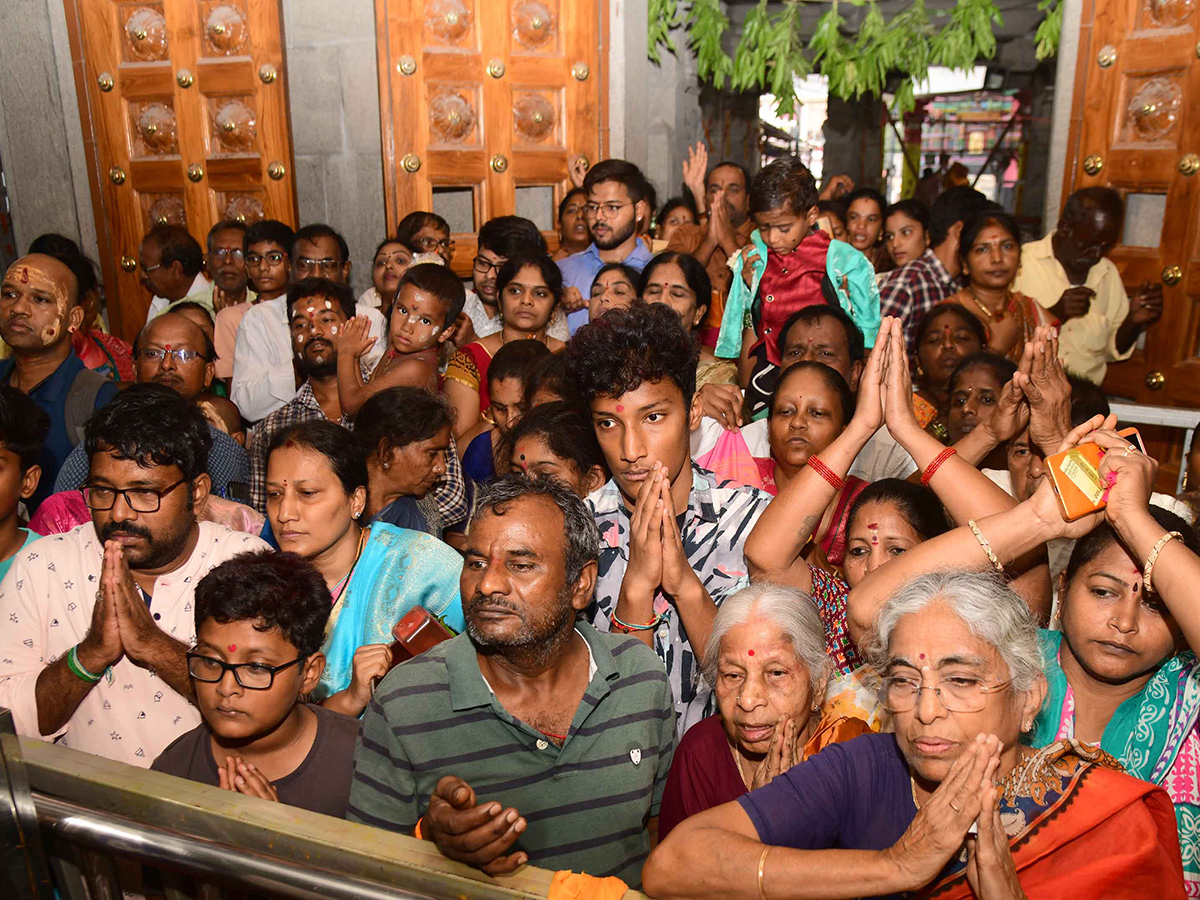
x,y
1068,273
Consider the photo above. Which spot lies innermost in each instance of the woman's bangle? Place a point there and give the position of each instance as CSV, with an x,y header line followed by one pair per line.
x,y
628,627
931,469
417,833
77,668
762,863
831,477
987,548
1148,570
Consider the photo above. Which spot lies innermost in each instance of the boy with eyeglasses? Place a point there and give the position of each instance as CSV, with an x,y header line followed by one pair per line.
x,y
260,620
266,248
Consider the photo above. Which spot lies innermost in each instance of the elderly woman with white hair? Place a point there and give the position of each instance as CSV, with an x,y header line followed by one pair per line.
x,y
767,666
952,803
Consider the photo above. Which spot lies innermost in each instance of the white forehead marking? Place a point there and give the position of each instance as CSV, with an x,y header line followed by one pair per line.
x,y
328,305
334,329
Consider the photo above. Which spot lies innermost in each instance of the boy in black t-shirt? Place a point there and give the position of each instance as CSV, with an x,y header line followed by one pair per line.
x,y
260,621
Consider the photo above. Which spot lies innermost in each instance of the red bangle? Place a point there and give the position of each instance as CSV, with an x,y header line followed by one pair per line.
x,y
931,469
417,829
831,477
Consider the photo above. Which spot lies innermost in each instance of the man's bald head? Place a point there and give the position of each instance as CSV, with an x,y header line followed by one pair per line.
x,y
158,347
39,303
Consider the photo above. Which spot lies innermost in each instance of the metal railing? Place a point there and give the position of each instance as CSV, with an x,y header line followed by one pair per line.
x,y
89,828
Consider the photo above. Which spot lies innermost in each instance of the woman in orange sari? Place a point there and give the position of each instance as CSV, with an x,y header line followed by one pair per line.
x,y
767,664
990,253
951,805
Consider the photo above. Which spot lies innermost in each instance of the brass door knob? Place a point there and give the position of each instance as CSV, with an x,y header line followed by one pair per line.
x,y
1156,380
116,175
411,162
496,68
276,170
1189,165
267,73
128,263
1107,56
195,172
499,163
407,65
184,78
580,71
1172,275
1093,164
105,80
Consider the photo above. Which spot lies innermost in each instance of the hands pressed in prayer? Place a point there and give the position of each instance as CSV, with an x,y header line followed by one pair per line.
x,y
678,576
644,574
942,821
102,646
782,756
1042,378
244,778
991,871
479,836
141,638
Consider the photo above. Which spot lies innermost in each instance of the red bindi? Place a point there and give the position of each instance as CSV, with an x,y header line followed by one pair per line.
x,y
750,652
24,274
232,647
620,408
922,656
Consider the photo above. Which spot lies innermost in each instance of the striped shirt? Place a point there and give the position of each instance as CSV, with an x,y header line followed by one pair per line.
x,y
586,803
714,529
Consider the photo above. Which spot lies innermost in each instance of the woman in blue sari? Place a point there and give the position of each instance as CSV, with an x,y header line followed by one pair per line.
x,y
316,493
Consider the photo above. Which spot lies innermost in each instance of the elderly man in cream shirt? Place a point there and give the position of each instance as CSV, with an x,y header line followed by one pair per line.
x,y
1068,273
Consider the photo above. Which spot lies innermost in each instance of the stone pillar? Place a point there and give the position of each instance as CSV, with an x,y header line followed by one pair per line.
x,y
854,140
333,88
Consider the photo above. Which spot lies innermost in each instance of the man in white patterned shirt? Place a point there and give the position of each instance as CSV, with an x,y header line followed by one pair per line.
x,y
671,537
97,621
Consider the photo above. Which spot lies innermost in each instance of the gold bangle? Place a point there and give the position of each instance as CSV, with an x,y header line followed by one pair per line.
x,y
1148,569
987,548
762,862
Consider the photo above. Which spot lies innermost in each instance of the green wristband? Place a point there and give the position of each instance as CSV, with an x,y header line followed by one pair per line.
x,y
77,668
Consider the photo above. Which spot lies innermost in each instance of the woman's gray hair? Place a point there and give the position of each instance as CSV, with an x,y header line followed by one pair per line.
x,y
986,604
795,614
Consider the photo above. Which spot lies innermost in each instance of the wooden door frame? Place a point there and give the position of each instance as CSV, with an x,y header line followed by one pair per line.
x,y
85,85
387,101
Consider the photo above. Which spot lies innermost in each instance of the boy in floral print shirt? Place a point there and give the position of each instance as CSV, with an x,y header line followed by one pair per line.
x,y
671,537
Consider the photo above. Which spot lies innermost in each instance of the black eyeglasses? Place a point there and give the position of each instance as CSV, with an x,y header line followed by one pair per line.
x,y
432,244
308,264
483,265
144,500
251,676
272,257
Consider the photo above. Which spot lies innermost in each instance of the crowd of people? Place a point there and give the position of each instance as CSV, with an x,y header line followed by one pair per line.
x,y
718,551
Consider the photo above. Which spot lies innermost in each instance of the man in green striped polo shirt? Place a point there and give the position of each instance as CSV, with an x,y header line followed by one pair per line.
x,y
532,737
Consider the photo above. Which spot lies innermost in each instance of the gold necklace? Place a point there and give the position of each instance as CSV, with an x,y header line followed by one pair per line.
x,y
913,781
737,761
998,316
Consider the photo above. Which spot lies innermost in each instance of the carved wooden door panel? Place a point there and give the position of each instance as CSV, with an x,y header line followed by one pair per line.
x,y
483,102
186,122
1136,128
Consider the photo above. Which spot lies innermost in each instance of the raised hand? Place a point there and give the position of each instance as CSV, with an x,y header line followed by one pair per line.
x,y
1009,416
722,402
695,171
678,575
644,574
577,168
572,299
479,836
1042,378
1044,502
837,186
354,339
102,646
898,395
1130,472
370,663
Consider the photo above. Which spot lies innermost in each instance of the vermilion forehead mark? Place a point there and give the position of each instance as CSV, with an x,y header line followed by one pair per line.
x,y
750,652
24,274
232,647
620,408
874,529
922,656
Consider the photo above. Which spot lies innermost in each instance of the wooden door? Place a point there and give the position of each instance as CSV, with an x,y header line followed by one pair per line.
x,y
1136,127
185,115
482,104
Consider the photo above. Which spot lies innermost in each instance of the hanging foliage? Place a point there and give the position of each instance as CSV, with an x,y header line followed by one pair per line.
x,y
772,52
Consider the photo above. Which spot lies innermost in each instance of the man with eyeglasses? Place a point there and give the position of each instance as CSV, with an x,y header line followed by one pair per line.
x,y
499,239
264,376
225,263
173,351
98,621
617,205
170,267
39,313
